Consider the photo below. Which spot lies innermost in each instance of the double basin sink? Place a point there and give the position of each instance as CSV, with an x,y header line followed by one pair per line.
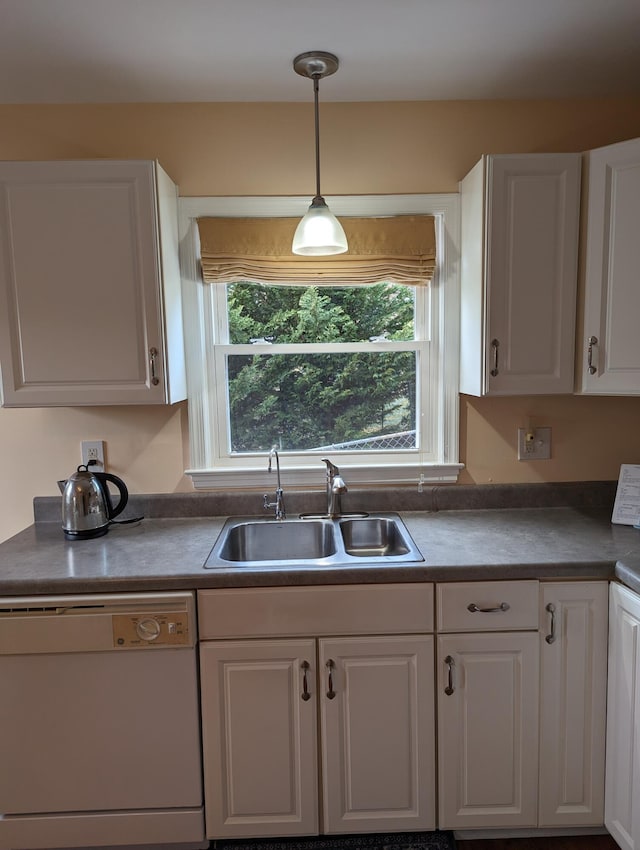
x,y
379,539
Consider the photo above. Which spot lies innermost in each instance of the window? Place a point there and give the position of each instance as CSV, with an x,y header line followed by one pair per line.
x,y
320,368
366,374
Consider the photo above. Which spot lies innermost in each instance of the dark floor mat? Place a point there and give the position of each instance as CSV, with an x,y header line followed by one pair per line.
x,y
374,841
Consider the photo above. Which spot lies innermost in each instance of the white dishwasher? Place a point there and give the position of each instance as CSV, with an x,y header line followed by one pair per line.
x,y
99,721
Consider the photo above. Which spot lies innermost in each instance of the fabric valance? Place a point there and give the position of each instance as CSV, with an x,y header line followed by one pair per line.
x,y
398,249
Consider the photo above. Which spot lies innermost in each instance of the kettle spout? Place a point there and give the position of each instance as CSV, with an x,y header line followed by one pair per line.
x,y
61,485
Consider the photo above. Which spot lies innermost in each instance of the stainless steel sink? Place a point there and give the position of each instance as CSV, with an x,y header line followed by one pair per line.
x,y
374,537
266,543
286,540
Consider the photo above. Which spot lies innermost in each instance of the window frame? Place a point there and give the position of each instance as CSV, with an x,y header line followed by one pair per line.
x,y
209,469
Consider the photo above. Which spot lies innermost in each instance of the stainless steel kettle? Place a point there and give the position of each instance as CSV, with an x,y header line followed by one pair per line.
x,y
87,509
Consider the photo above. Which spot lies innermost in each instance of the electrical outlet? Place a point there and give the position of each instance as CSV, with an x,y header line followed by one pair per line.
x,y
534,443
93,450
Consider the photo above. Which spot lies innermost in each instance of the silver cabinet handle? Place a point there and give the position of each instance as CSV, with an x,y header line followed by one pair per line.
x,y
593,340
503,606
551,637
305,685
450,665
153,356
495,345
331,666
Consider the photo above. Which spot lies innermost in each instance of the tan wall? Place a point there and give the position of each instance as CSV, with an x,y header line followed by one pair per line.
x,y
267,149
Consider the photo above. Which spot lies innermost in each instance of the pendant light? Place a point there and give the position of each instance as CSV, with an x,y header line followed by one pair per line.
x,y
319,231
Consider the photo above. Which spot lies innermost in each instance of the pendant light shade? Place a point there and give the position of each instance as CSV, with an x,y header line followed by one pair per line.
x,y
319,231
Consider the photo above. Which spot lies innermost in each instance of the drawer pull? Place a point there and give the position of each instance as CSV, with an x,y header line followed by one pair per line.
x,y
331,666
305,685
503,606
450,665
551,637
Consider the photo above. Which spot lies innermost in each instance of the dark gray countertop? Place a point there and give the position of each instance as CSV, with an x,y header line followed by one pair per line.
x,y
169,553
628,572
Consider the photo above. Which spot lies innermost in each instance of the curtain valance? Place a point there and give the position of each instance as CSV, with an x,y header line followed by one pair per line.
x,y
398,249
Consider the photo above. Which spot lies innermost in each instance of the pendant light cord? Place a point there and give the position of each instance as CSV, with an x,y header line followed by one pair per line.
x,y
316,89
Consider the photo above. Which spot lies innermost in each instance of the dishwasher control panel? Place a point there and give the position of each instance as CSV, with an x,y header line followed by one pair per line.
x,y
135,630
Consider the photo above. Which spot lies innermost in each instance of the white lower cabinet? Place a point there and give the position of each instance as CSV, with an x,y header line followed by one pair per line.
x,y
259,738
573,667
364,702
521,714
377,734
487,730
487,704
622,798
334,731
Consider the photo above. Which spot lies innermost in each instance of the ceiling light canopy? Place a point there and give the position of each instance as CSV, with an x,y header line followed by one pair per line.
x,y
319,231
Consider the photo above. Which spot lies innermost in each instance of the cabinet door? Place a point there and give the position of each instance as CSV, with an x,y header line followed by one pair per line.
x,y
259,737
573,659
622,794
488,730
611,343
377,729
520,217
81,301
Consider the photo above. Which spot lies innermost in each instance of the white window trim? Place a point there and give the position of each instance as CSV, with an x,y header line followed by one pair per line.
x,y
197,325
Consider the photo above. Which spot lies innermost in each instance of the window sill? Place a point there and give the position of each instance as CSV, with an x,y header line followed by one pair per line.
x,y
227,478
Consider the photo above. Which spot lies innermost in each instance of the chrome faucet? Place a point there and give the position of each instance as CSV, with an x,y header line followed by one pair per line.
x,y
335,488
279,502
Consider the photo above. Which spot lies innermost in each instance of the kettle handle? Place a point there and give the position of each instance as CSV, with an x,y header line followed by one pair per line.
x,y
103,477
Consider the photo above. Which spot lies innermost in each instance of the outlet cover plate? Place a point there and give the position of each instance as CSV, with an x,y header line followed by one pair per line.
x,y
93,450
537,449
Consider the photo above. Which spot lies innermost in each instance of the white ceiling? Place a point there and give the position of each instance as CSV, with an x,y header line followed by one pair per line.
x,y
99,51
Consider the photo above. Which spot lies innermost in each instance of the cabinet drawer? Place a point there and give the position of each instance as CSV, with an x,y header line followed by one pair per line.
x,y
326,610
487,606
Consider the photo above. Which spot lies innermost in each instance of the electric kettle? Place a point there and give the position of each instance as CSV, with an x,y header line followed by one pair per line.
x,y
87,510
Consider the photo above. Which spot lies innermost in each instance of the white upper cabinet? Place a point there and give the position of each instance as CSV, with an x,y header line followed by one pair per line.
x,y
90,308
611,341
519,219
